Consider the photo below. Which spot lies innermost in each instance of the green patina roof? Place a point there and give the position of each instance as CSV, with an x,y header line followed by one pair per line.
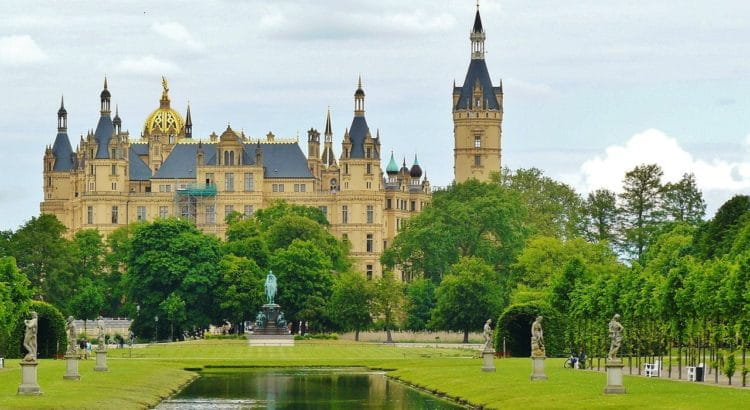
x,y
392,166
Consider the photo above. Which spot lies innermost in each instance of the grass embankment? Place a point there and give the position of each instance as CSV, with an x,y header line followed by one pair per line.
x,y
138,382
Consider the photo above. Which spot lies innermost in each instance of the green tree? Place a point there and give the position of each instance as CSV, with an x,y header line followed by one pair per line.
x,y
171,255
288,228
640,207
467,219
15,295
387,301
87,303
173,308
730,366
44,256
349,305
240,290
88,254
267,216
420,301
304,280
716,237
554,208
468,296
601,215
683,202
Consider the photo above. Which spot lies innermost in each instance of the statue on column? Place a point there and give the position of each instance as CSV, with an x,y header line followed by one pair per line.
x,y
537,338
100,339
487,334
29,337
615,334
270,287
71,328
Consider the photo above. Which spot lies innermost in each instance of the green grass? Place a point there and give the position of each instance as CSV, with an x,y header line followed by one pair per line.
x,y
143,381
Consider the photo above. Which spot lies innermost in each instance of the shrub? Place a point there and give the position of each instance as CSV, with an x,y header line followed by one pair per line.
x,y
51,336
514,324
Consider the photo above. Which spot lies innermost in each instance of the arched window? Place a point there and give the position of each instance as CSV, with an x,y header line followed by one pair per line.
x,y
231,157
226,157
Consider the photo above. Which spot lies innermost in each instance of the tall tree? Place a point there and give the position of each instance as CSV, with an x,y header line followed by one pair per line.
x,y
349,305
601,216
683,201
717,237
87,303
554,208
88,254
240,290
468,296
420,301
15,295
640,207
388,298
173,308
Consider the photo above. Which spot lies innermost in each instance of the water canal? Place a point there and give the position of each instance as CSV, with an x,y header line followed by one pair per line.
x,y
300,388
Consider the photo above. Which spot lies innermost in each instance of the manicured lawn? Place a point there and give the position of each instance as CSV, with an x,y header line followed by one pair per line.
x,y
143,380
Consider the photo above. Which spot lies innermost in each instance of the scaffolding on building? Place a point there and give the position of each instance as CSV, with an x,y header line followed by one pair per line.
x,y
193,198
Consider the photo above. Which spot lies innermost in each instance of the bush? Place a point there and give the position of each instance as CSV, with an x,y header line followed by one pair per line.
x,y
225,337
319,336
514,324
51,336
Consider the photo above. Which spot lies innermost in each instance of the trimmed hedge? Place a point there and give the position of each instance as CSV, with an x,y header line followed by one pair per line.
x,y
51,336
514,324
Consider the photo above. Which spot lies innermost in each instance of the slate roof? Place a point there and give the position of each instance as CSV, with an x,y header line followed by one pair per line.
x,y
104,131
63,153
357,133
279,161
137,169
139,149
478,23
478,72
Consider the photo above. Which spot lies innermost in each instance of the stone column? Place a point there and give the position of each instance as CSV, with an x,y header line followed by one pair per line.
x,y
488,357
614,377
71,367
537,368
29,385
101,361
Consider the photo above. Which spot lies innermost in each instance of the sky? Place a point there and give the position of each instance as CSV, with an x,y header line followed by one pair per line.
x,y
592,88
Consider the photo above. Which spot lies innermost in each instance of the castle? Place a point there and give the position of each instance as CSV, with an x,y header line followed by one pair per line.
x,y
111,179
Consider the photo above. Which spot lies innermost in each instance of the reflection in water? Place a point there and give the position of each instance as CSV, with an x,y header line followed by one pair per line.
x,y
278,389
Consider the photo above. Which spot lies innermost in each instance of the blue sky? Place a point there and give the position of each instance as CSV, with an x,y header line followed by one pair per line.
x,y
592,87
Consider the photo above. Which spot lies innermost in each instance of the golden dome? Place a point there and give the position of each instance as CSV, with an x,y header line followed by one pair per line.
x,y
164,120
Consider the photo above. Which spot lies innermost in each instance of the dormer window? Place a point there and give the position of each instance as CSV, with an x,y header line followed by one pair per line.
x,y
369,153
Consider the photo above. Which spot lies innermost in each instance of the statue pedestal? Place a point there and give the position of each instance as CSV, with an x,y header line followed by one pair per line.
x,y
71,367
101,361
29,385
488,360
614,377
537,368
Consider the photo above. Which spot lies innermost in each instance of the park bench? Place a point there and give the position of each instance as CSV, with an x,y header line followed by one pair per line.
x,y
653,369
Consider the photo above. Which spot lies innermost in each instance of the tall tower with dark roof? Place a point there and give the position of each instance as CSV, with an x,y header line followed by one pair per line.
x,y
477,116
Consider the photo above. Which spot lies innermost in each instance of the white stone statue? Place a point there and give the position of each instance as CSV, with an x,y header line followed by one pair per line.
x,y
615,333
71,328
537,338
29,338
100,338
487,334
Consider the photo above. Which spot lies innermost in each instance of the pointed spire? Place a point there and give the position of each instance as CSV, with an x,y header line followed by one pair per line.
x,y
392,167
478,22
188,123
105,97
105,81
117,122
477,37
62,117
359,100
328,132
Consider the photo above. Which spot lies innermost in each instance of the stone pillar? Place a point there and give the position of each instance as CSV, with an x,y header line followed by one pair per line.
x,y
537,368
101,361
29,385
614,377
488,357
71,367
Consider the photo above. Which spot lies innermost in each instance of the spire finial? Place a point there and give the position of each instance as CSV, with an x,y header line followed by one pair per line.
x,y
117,110
105,81
62,101
359,83
328,130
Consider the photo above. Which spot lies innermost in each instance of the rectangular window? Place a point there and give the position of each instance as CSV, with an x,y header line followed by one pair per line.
x,y
277,187
369,169
229,182
477,160
249,187
324,209
369,185
388,203
368,154
183,186
346,168
228,209
210,214
370,246
185,211
344,214
302,188
91,186
163,212
369,272
413,206
398,224
477,142
114,186
115,216
370,214
140,213
345,237
248,211
209,178
113,170
296,187
90,215
92,170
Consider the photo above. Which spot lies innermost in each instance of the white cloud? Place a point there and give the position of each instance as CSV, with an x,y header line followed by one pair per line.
x,y
654,146
20,50
179,34
527,89
146,65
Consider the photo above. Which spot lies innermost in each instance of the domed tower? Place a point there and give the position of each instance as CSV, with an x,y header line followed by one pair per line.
x,y
162,129
415,172
392,170
477,116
